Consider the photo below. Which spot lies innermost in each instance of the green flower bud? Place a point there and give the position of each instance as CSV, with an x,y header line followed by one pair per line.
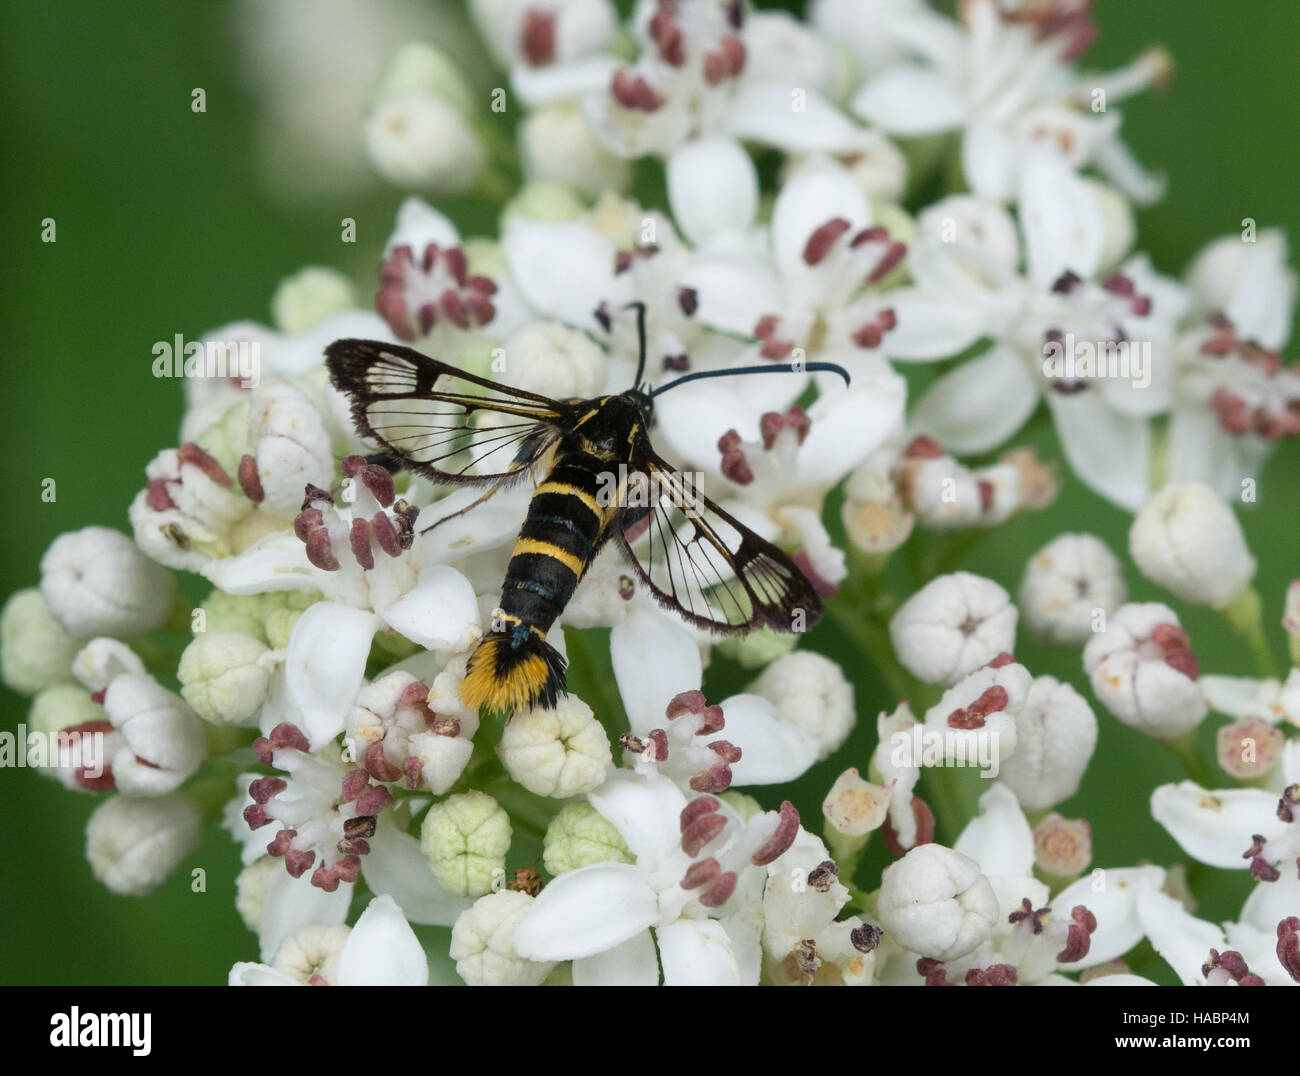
x,y
61,707
421,67
579,836
281,610
233,612
743,805
465,839
543,201
227,440
35,650
309,297
757,648
222,677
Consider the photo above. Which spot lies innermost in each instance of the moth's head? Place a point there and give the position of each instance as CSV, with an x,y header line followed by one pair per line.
x,y
645,404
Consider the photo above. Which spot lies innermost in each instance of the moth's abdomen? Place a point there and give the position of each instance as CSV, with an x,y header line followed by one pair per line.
x,y
514,667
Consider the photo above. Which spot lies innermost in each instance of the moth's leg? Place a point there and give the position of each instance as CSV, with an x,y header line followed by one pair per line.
x,y
469,507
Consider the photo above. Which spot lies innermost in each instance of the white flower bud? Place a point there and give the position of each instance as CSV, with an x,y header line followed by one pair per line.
x,y
552,360
164,742
482,943
35,650
1187,540
190,509
308,297
1119,229
1142,670
250,889
312,953
82,766
811,693
418,141
556,145
96,582
977,716
561,752
133,845
964,223
935,902
225,676
1065,584
101,661
952,626
292,446
1056,735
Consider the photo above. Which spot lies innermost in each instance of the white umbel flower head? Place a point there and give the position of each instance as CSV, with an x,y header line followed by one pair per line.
x,y
561,752
36,651
1188,541
811,693
482,943
1056,736
133,845
1143,671
225,676
1064,585
936,902
952,626
96,582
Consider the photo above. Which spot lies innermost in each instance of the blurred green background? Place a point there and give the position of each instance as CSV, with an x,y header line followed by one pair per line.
x,y
166,225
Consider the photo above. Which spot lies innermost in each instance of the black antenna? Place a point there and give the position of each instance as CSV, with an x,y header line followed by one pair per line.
x,y
779,368
639,307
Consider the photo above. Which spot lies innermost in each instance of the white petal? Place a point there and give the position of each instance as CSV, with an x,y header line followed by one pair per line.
x,y
733,292
633,963
291,903
564,270
818,192
440,613
1062,222
1108,451
324,665
276,562
697,952
712,188
911,101
847,427
999,838
654,660
646,811
930,328
1216,827
562,81
980,404
1200,451
1271,902
1112,896
772,751
1181,939
382,950
395,867
797,120
246,974
587,911
990,159
418,225
691,422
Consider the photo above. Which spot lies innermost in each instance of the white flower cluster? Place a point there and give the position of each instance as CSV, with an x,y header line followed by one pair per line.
x,y
346,595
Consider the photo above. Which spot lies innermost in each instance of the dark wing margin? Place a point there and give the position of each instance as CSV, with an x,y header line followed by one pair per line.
x,y
418,410
706,565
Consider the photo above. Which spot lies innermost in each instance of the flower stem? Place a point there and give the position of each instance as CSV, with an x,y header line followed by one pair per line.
x,y
1244,615
600,690
1185,748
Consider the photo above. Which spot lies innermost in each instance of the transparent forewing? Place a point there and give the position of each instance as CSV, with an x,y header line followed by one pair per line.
x,y
704,563
443,423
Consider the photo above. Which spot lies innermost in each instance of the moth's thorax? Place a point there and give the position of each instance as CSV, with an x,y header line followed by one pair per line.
x,y
610,427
